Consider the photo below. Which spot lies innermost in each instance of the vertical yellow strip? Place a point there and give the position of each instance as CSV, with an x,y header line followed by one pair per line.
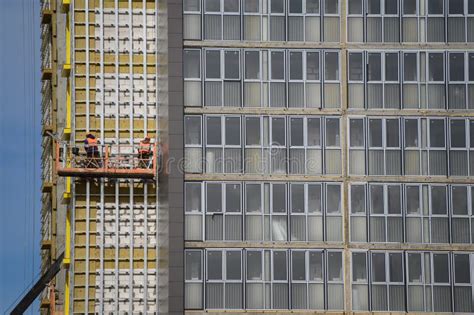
x,y
67,259
66,294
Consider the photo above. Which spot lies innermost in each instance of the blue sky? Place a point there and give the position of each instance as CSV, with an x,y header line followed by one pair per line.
x,y
20,152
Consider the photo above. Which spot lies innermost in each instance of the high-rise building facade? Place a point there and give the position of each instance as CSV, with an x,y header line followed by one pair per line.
x,y
313,155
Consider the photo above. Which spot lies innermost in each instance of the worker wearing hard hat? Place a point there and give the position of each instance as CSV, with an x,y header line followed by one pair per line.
x,y
90,145
144,151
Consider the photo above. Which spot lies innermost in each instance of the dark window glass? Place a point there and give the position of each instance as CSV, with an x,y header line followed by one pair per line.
x,y
441,268
375,132
394,202
278,131
409,6
458,133
312,6
251,6
355,6
233,265
252,134
214,198
192,5
332,132
459,199
298,266
359,269
253,198
254,265
296,132
391,67
414,268
456,6
297,198
315,266
277,6
435,6
413,199
252,65
331,66
296,6
357,199
192,64
213,5
456,67
355,67
214,136
278,198
334,266
278,65
411,133
409,67
436,63
232,130
331,6
376,199
393,133
213,64
391,6
396,267
312,66
437,133
357,132
214,265
296,65
374,6
438,200
462,268
378,267
232,197
231,64
375,67
279,265
314,132
192,127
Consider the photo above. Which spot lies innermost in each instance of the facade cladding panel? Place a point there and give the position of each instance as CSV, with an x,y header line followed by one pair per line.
x,y
315,155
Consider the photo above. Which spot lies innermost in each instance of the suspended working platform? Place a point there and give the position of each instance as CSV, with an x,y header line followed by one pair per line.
x,y
109,161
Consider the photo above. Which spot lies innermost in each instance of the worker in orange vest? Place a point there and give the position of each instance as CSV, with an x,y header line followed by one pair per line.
x,y
90,145
144,150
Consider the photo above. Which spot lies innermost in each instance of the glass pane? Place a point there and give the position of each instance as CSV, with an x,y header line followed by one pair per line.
x,y
441,268
394,202
193,265
232,197
312,6
355,6
231,64
376,199
214,198
375,132
231,5
314,132
332,132
278,131
391,6
233,268
296,6
279,265
438,200
192,127
411,133
414,268
214,265
314,198
331,68
391,67
296,65
375,67
296,125
254,265
409,7
357,132
192,5
396,267
278,65
192,64
277,6
298,265
359,268
374,6
315,266
334,266
252,134
333,199
357,199
458,133
253,201
312,66
213,64
232,131
252,65
355,67
410,65
212,5
251,6
331,6
214,136
193,197
437,133
462,269
279,200
436,64
456,6
378,267
413,199
297,198
456,67
435,6
392,133
459,199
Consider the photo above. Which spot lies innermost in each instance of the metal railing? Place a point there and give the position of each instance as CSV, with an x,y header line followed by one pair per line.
x,y
106,161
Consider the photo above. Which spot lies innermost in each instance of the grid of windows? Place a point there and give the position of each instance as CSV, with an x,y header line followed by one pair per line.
x,y
411,79
262,20
262,78
410,21
411,213
411,146
253,211
264,279
313,146
412,281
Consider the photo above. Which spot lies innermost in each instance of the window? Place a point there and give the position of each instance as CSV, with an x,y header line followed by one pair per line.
x,y
304,20
192,19
462,282
459,149
223,144
383,21
355,21
384,147
305,146
331,80
457,86
304,86
193,279
332,146
277,79
222,81
224,279
192,77
193,211
193,144
461,210
387,281
222,19
360,282
385,220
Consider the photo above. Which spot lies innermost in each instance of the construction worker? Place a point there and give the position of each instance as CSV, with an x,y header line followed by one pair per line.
x,y
92,150
144,151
